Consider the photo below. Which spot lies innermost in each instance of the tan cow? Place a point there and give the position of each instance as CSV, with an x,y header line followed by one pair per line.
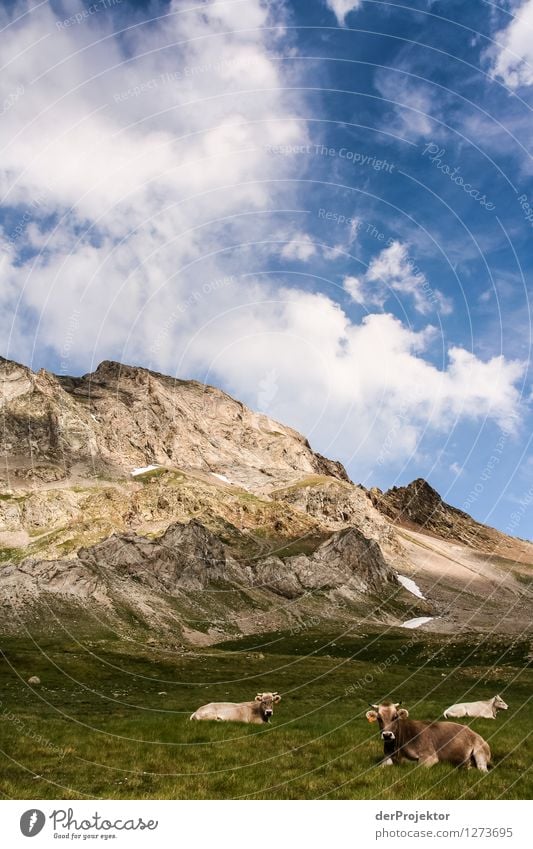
x,y
258,711
427,742
482,710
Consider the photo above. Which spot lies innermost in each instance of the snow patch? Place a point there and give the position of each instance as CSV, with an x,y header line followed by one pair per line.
x,y
410,585
221,477
416,623
142,469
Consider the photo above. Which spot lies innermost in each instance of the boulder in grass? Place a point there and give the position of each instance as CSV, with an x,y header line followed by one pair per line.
x,y
34,681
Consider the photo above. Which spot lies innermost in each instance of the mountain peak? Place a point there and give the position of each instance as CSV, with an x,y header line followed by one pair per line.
x,y
123,417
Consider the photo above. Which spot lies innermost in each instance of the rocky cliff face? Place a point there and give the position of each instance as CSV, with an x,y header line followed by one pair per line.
x,y
43,428
121,417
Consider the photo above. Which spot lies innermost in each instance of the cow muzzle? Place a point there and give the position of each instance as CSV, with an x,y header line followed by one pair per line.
x,y
387,736
268,713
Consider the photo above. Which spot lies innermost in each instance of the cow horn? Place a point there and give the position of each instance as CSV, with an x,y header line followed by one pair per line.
x,y
373,706
397,704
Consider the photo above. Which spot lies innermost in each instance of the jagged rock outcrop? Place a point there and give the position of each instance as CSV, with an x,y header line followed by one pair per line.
x,y
420,507
346,561
337,504
191,564
418,503
185,557
189,557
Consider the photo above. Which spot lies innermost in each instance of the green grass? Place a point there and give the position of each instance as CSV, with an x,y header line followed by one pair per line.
x,y
98,726
11,555
148,477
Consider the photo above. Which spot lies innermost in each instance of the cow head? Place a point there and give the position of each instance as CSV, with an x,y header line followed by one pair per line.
x,y
387,715
499,703
267,702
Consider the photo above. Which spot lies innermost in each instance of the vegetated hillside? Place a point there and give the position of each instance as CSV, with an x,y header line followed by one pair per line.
x,y
145,502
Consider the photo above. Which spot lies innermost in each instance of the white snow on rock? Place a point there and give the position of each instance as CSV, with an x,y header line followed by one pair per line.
x,y
416,623
410,585
142,469
221,477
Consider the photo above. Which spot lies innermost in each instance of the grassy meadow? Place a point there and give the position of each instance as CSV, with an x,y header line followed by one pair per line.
x,y
111,718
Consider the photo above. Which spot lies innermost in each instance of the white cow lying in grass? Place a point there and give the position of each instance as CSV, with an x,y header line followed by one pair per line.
x,y
257,712
482,710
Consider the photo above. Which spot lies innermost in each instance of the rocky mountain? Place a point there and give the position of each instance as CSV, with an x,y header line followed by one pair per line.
x,y
189,582
420,507
120,417
137,502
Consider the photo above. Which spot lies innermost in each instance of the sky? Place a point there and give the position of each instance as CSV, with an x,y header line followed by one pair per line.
x,y
324,207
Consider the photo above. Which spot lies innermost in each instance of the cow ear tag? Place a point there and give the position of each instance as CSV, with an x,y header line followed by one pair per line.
x,y
371,716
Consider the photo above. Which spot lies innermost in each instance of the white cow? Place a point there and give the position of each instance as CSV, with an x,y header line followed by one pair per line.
x,y
482,710
257,712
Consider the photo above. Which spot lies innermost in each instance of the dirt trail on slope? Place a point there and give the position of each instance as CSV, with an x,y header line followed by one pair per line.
x,y
468,588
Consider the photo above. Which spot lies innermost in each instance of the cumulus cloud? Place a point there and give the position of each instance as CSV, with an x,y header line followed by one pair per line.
x,y
394,271
300,247
345,382
341,8
144,157
513,54
354,286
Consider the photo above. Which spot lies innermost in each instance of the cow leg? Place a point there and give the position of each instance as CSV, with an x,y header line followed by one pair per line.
x,y
428,760
481,755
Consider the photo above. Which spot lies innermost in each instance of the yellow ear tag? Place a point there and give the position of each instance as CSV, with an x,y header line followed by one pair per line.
x,y
372,718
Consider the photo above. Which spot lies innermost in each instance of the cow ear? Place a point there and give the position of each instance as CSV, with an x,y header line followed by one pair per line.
x,y
371,715
259,697
403,713
276,698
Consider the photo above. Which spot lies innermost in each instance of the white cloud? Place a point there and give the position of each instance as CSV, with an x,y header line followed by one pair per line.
x,y
513,55
301,247
456,469
83,134
341,8
411,104
345,383
354,287
394,271
135,149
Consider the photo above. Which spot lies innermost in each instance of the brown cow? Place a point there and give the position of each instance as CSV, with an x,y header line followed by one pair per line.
x,y
258,711
427,742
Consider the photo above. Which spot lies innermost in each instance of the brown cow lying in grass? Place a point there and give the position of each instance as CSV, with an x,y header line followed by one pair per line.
x,y
427,742
258,711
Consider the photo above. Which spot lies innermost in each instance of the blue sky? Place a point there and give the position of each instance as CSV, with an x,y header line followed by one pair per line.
x,y
325,208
